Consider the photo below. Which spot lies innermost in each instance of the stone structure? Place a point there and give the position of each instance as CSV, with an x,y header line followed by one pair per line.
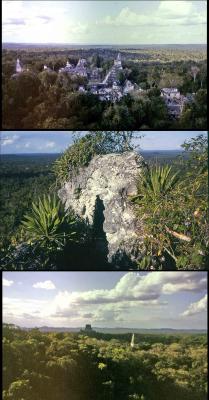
x,y
128,87
79,70
107,182
132,344
109,89
18,66
112,75
88,328
48,69
18,69
174,101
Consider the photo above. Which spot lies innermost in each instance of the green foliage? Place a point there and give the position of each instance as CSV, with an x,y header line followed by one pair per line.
x,y
23,180
194,115
174,212
156,182
85,148
48,225
47,234
45,366
37,99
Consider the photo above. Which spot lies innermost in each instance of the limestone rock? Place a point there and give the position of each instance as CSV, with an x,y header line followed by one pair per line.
x,y
107,182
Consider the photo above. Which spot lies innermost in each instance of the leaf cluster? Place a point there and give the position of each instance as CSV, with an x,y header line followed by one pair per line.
x,y
85,148
174,212
48,224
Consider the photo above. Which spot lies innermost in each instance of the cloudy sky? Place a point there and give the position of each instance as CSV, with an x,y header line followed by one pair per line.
x,y
106,299
104,22
56,142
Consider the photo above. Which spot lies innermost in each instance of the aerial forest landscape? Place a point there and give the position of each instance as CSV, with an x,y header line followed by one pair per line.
x,y
83,88
104,200
104,229
113,66
103,335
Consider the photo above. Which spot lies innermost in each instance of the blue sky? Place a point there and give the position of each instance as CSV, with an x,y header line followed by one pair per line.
x,y
106,299
104,22
55,142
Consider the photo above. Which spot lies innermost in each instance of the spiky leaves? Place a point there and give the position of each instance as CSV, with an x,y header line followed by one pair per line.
x,y
173,208
48,224
157,181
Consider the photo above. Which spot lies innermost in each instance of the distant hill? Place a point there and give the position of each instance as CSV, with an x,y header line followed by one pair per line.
x,y
14,46
117,330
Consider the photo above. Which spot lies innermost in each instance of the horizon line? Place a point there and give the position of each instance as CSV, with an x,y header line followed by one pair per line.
x,y
60,152
109,44
103,327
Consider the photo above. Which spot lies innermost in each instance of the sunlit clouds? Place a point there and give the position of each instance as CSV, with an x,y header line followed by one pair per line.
x,y
106,22
48,285
147,300
197,307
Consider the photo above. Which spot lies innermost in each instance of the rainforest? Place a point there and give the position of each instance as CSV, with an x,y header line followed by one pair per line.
x,y
99,366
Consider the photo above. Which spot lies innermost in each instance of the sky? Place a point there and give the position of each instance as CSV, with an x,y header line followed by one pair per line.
x,y
55,142
149,300
105,22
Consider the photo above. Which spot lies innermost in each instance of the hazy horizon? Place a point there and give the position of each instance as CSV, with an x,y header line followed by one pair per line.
x,y
108,328
106,44
60,152
55,142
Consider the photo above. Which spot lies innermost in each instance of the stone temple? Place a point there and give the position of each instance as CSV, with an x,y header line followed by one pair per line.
x,y
80,69
112,75
18,67
110,88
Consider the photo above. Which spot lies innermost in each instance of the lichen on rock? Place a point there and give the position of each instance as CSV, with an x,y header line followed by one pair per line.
x,y
109,179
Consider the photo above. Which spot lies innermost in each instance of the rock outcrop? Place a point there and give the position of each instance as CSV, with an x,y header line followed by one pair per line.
x,y
100,191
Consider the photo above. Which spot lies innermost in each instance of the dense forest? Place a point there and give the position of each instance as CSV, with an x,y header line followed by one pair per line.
x,y
23,179
42,366
43,99
37,233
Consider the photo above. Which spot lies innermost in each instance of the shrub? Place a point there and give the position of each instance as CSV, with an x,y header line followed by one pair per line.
x,y
175,212
48,225
85,148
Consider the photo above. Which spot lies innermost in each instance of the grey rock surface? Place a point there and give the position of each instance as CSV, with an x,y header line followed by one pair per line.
x,y
109,179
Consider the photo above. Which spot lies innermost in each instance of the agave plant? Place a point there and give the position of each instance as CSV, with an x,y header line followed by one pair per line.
x,y
48,224
156,181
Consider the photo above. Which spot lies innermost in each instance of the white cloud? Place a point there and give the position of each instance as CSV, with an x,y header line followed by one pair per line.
x,y
78,28
168,13
5,141
6,282
133,289
134,298
196,308
66,22
48,285
27,145
50,145
16,310
39,22
174,8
